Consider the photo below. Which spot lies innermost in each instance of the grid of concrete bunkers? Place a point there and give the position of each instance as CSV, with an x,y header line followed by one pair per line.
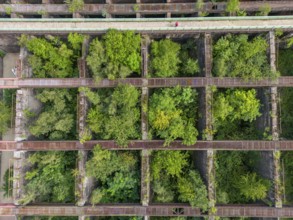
x,y
206,149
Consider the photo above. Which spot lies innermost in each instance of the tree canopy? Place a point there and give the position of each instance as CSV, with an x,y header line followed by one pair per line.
x,y
175,180
169,58
116,55
172,114
239,56
57,118
51,57
5,116
114,113
117,174
234,110
50,178
237,180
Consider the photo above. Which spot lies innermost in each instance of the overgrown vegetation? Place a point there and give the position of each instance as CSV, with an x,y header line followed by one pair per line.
x,y
175,179
117,174
169,58
172,114
114,114
51,177
7,186
239,56
57,118
116,55
52,57
74,5
285,64
6,109
234,110
237,180
286,160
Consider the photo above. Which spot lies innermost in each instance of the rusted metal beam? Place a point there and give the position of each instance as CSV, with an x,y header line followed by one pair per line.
x,y
183,7
138,210
146,145
194,82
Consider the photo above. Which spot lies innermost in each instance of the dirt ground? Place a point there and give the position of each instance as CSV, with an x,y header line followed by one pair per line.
x,y
7,218
9,62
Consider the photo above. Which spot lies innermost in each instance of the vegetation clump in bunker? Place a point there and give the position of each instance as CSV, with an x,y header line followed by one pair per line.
x,y
117,176
53,57
169,58
172,115
174,179
114,113
242,56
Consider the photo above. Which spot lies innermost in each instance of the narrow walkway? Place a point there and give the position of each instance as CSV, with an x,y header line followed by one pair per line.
x,y
194,82
152,210
146,145
159,25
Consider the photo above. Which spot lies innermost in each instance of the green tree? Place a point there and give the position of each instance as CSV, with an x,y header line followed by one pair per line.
x,y
56,121
233,112
164,58
116,114
192,189
117,55
172,114
5,115
117,174
52,57
252,187
51,177
7,186
237,181
74,5
174,179
237,56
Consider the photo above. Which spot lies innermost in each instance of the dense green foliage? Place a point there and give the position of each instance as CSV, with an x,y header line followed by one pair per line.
x,y
174,179
114,113
7,186
237,181
169,58
6,109
118,176
57,119
74,5
234,110
52,57
172,114
51,177
238,56
286,106
288,172
285,64
5,116
116,55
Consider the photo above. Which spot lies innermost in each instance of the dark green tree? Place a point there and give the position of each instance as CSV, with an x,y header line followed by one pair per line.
x,y
117,173
115,114
57,119
117,55
51,177
52,57
174,179
238,56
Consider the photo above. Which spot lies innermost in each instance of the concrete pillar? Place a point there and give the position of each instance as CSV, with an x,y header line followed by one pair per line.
x,y
274,124
145,154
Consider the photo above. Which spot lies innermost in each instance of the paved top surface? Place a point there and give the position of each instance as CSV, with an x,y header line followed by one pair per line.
x,y
194,82
265,23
